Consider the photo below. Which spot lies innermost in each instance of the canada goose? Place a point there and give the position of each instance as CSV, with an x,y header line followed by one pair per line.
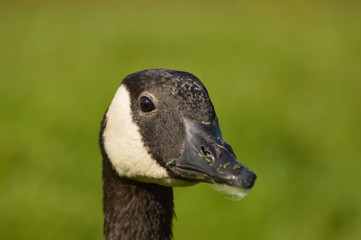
x,y
160,131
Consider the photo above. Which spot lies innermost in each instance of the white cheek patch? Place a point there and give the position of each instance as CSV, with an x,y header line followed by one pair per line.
x,y
124,146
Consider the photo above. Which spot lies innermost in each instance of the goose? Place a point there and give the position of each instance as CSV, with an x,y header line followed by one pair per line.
x,y
160,131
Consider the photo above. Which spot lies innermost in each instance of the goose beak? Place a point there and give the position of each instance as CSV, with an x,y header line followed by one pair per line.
x,y
208,158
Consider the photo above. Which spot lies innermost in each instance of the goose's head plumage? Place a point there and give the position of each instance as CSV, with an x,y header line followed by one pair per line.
x,y
161,128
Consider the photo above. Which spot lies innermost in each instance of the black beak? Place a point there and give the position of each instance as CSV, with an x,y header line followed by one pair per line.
x,y
208,158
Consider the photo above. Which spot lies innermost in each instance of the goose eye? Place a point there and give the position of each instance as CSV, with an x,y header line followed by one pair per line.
x,y
146,105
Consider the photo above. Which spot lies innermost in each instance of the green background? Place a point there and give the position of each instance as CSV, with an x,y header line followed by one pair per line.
x,y
285,79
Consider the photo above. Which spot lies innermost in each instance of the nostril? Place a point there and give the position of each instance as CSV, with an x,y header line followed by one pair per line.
x,y
205,152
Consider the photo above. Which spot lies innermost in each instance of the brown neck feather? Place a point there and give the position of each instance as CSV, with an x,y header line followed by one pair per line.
x,y
135,210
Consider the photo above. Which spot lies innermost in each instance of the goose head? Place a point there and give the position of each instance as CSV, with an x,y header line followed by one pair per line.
x,y
161,128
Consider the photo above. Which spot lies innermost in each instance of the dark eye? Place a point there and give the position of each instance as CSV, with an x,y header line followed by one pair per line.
x,y
146,105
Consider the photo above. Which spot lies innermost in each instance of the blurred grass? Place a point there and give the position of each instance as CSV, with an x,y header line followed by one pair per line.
x,y
284,77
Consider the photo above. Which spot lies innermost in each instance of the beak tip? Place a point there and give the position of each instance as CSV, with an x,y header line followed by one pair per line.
x,y
245,180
